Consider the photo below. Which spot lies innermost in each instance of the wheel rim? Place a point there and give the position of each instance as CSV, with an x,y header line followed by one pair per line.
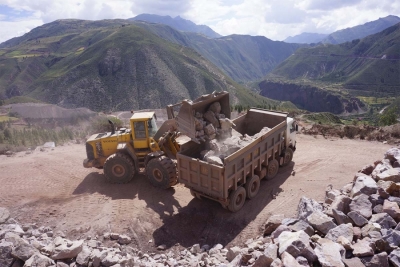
x,y
118,170
239,199
287,157
157,174
253,187
272,169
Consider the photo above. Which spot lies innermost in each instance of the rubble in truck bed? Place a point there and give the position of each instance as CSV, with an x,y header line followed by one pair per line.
x,y
216,131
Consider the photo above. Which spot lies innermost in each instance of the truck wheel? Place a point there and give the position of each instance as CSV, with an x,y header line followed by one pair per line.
x,y
252,186
273,167
237,199
119,169
288,156
161,172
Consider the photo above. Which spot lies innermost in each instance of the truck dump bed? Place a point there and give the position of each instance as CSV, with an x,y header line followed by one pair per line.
x,y
216,181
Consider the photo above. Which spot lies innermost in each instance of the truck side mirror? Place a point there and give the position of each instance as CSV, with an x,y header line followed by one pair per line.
x,y
297,128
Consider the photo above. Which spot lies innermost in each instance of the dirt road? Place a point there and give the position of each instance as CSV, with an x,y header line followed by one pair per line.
x,y
52,188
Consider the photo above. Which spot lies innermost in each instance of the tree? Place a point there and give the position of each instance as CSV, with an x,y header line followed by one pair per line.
x,y
389,117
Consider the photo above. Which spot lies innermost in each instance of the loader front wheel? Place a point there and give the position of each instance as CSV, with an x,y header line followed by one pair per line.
x,y
237,199
119,169
252,186
161,172
272,170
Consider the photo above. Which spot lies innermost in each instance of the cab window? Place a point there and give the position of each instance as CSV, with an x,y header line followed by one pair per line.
x,y
293,127
152,127
140,130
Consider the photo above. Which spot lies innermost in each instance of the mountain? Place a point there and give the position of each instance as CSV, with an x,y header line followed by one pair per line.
x,y
178,23
108,65
361,31
306,38
242,57
368,64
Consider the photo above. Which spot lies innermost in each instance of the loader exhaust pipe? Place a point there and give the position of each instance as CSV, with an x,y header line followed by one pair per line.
x,y
112,127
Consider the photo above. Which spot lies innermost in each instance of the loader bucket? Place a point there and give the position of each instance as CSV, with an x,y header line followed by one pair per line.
x,y
185,120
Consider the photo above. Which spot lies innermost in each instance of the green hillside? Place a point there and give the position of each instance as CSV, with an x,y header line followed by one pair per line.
x,y
361,31
371,64
242,57
108,65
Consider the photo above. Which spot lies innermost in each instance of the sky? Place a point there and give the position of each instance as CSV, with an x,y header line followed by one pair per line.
x,y
274,19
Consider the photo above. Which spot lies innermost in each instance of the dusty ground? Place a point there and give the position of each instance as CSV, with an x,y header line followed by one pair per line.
x,y
52,188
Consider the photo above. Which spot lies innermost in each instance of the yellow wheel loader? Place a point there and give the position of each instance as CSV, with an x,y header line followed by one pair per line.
x,y
144,148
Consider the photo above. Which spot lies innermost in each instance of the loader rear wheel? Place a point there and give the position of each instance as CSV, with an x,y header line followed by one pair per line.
x,y
161,172
252,186
119,169
288,156
272,170
237,199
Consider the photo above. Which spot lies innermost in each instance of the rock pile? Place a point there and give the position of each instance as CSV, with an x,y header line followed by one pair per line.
x,y
357,225
215,130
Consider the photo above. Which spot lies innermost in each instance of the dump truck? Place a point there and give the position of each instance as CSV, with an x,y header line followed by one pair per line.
x,y
174,153
241,172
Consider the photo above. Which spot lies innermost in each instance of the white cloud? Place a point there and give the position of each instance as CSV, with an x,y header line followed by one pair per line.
x,y
275,19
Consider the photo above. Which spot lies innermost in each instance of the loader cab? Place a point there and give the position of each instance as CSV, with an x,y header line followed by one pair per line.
x,y
143,125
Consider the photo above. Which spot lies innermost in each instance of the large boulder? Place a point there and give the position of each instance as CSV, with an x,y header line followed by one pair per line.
x,y
296,244
306,207
389,175
381,168
321,222
394,257
302,225
353,262
232,253
392,209
39,260
362,205
84,256
390,240
5,253
289,261
269,255
272,223
66,249
384,220
4,215
363,248
363,185
340,217
24,251
340,203
345,230
393,154
378,260
329,253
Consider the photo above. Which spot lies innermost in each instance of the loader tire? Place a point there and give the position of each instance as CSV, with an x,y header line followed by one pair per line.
x,y
161,172
287,157
252,186
272,169
237,199
119,169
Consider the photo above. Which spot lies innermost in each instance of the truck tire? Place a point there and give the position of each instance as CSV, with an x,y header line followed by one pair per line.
x,y
119,169
161,172
272,169
287,157
237,199
252,186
